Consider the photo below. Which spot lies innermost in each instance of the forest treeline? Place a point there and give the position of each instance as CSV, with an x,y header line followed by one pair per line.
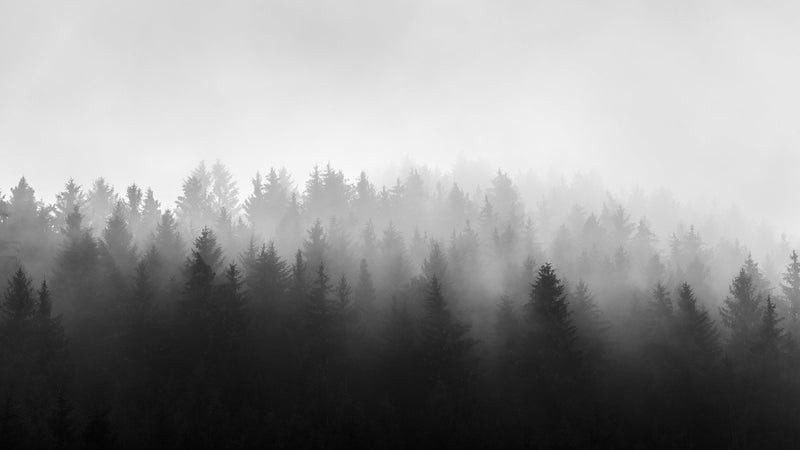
x,y
341,315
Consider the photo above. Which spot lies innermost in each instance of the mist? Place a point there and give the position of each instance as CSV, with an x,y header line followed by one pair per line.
x,y
399,224
703,90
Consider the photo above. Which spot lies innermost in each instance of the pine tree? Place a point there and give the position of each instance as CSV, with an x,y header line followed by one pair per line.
x,y
268,278
507,329
206,247
591,329
224,192
117,246
72,196
445,340
233,314
316,245
552,333
791,285
319,314
255,206
741,314
275,196
168,240
770,334
193,208
76,264
151,214
19,306
299,284
100,203
435,265
134,196
365,291
698,331
760,283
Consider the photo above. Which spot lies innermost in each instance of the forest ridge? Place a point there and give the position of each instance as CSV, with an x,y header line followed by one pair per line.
x,y
339,314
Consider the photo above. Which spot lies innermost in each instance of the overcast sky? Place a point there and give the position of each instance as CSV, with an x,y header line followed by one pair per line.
x,y
698,95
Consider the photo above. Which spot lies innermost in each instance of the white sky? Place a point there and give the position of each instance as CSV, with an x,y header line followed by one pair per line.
x,y
699,96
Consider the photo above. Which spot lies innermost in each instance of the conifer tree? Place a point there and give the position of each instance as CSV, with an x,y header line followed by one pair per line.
x,y
445,340
19,305
224,192
791,285
150,216
168,241
770,334
118,248
552,336
255,206
697,329
741,314
233,315
591,329
206,247
67,200
435,265
316,246
319,314
268,278
275,196
100,204
507,329
364,296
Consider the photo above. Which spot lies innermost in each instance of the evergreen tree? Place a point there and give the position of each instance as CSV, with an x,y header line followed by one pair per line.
x,y
233,315
741,314
435,265
445,340
591,329
316,245
770,334
100,203
224,192
206,247
697,329
19,306
117,248
791,285
268,278
552,333
193,209
365,291
255,206
319,314
134,196
168,240
275,196
151,214
72,196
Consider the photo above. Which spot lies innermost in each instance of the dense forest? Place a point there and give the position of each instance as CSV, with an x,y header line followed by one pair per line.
x,y
326,312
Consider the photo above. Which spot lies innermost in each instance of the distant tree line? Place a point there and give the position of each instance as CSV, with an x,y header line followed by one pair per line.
x,y
341,315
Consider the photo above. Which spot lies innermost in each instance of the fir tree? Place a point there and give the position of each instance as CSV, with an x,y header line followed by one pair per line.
x,y
697,329
19,306
741,314
791,285
552,333
365,291
206,247
445,340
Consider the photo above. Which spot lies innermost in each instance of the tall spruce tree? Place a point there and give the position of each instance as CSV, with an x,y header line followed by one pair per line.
x,y
741,315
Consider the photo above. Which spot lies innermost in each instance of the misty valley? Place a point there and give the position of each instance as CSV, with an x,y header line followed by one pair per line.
x,y
442,310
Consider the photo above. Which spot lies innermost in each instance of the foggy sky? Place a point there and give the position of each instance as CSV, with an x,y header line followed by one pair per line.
x,y
697,96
